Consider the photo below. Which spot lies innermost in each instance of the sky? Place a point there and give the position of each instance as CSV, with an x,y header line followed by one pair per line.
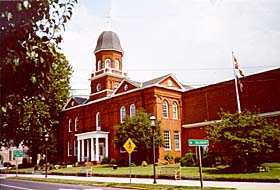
x,y
192,39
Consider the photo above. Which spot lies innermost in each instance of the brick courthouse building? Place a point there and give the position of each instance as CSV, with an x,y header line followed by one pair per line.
x,y
87,127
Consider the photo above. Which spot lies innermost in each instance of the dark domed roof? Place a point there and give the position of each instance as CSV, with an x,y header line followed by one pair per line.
x,y
108,40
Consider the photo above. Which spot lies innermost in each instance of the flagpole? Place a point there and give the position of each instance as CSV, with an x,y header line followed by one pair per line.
x,y
236,86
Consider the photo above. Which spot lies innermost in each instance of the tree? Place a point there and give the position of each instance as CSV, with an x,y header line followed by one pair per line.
x,y
139,129
245,139
34,74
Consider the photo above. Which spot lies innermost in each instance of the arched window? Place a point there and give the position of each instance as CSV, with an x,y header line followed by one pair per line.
x,y
108,63
99,65
174,110
76,124
70,125
98,121
117,64
165,109
122,114
132,110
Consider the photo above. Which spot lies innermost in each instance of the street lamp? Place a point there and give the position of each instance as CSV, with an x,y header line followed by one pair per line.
x,y
46,139
153,125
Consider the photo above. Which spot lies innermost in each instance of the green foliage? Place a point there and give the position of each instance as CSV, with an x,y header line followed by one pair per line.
x,y
168,157
211,159
113,161
188,159
35,76
144,164
105,160
139,129
245,138
132,164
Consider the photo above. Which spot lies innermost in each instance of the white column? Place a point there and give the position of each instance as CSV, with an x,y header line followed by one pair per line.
x,y
97,149
83,150
106,147
92,150
79,151
87,149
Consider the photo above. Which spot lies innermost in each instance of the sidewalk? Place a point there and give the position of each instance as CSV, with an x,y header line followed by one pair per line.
x,y
236,185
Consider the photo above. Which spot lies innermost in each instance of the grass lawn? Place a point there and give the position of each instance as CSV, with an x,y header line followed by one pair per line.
x,y
274,173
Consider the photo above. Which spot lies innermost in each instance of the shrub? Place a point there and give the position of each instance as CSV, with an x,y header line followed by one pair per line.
x,y
177,159
51,167
168,157
188,159
211,159
144,164
165,162
113,161
105,160
36,167
132,164
7,164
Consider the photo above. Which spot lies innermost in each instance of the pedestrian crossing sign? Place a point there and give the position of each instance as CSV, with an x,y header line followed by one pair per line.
x,y
129,146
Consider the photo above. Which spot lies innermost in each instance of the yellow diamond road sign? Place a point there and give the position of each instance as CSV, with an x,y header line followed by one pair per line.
x,y
129,146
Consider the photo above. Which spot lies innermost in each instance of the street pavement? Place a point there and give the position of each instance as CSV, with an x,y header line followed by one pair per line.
x,y
221,184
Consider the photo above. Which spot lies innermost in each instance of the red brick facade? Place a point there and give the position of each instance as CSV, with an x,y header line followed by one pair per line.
x,y
91,132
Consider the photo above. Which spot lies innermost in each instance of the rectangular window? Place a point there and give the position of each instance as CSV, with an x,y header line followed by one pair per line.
x,y
177,140
75,148
166,136
10,155
69,125
76,124
70,148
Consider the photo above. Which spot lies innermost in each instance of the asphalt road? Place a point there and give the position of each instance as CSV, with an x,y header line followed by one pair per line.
x,y
14,184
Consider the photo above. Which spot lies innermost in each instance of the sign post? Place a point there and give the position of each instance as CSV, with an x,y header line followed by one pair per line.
x,y
199,143
129,146
17,154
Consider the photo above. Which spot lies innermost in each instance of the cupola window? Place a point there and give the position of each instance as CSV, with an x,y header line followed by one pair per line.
x,y
108,63
117,64
99,65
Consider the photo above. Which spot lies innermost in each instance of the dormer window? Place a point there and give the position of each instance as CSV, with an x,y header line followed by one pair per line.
x,y
117,64
108,63
99,65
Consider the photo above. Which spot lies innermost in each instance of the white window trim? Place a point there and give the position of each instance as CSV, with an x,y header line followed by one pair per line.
x,y
179,140
75,148
175,105
99,65
98,121
107,61
169,140
76,124
117,64
69,153
132,110
166,104
122,115
70,125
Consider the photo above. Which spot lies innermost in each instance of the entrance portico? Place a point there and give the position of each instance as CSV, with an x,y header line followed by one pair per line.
x,y
92,146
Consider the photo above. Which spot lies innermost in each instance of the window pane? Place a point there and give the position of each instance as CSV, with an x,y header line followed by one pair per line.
x,y
166,136
132,110
76,124
122,114
69,125
174,110
117,64
108,63
164,109
177,140
98,122
70,148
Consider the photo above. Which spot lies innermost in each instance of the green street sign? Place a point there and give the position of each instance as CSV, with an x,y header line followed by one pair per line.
x,y
198,142
17,153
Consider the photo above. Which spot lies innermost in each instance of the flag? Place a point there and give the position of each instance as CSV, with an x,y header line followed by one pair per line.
x,y
240,85
236,66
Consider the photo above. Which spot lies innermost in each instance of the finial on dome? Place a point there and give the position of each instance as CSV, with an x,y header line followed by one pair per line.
x,y
108,26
